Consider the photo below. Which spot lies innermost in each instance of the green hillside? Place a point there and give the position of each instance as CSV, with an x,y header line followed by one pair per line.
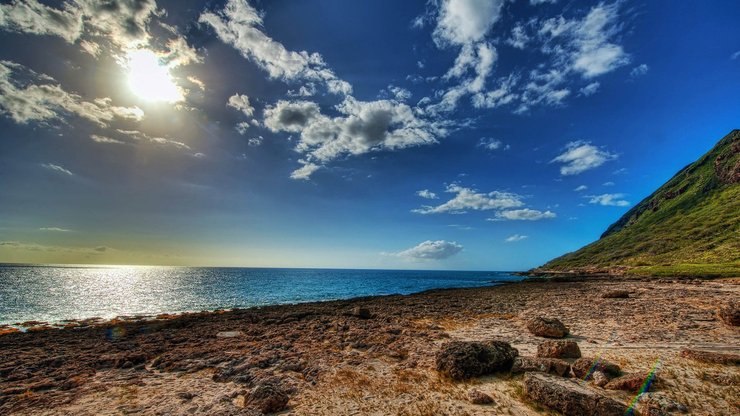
x,y
689,226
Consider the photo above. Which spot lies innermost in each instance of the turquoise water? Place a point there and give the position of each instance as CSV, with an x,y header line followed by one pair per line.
x,y
53,294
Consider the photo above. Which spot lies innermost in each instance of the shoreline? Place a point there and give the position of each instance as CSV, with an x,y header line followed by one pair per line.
x,y
371,354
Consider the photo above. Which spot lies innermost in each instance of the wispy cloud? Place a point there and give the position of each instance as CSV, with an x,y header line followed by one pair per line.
x,y
580,156
614,200
469,199
427,194
581,188
56,168
55,229
639,70
516,237
431,250
525,214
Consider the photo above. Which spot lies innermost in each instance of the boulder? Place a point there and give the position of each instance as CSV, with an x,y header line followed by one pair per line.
x,y
461,360
658,404
616,294
711,357
628,382
569,397
599,378
547,327
543,365
478,397
583,368
268,398
729,313
558,349
362,313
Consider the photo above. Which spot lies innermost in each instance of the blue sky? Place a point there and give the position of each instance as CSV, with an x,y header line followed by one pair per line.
x,y
460,134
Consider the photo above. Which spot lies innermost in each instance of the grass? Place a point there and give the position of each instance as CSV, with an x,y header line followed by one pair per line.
x,y
689,226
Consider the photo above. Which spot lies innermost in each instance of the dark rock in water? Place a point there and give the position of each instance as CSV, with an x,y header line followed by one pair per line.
x,y
461,360
558,349
582,366
269,398
616,294
628,382
569,397
658,404
730,313
543,365
599,378
711,357
478,397
362,313
547,327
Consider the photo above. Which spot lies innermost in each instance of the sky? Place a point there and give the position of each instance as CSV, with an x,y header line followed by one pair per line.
x,y
441,134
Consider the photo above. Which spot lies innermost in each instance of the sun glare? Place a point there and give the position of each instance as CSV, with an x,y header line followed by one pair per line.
x,y
149,79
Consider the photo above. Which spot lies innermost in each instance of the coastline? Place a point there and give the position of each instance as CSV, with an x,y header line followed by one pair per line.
x,y
369,354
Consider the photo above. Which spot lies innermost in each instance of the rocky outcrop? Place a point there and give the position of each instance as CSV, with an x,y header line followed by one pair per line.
x,y
583,368
542,365
628,382
710,357
730,313
547,327
569,397
478,397
269,398
658,404
558,349
462,360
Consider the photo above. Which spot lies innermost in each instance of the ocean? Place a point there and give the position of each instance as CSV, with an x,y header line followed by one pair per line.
x,y
57,293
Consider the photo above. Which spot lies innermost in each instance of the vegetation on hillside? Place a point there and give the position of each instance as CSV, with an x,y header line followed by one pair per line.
x,y
689,226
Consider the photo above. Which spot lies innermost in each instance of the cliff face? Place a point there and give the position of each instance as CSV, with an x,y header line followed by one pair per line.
x,y
690,225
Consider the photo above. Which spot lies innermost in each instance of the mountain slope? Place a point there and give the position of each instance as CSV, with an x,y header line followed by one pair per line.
x,y
689,226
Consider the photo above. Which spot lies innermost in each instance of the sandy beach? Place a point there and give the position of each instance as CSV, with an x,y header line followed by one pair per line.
x,y
376,356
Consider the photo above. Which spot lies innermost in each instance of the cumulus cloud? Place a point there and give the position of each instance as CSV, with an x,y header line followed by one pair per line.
x,y
241,103
580,156
465,21
360,128
239,25
516,237
431,250
614,200
524,214
27,96
57,169
31,16
466,199
427,194
255,141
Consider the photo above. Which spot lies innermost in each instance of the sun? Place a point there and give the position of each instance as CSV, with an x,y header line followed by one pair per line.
x,y
149,79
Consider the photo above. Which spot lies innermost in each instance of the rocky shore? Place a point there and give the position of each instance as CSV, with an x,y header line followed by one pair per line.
x,y
600,345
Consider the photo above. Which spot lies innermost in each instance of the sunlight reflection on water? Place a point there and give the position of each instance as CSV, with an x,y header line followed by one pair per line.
x,y
53,294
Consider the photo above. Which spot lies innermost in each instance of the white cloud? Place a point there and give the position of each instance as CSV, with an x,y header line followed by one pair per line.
x,y
490,143
614,200
239,25
465,21
519,38
31,16
639,70
581,188
104,139
524,214
427,194
305,171
593,53
56,168
580,156
27,96
469,199
538,2
431,250
516,237
241,103
608,183
590,89
255,141
362,127
137,135
735,55
55,229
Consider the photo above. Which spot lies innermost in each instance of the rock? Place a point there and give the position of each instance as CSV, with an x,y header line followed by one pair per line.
x,y
547,327
184,395
584,367
478,397
730,313
658,404
616,294
628,382
268,398
461,360
558,349
229,334
569,397
543,365
599,378
362,313
711,357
